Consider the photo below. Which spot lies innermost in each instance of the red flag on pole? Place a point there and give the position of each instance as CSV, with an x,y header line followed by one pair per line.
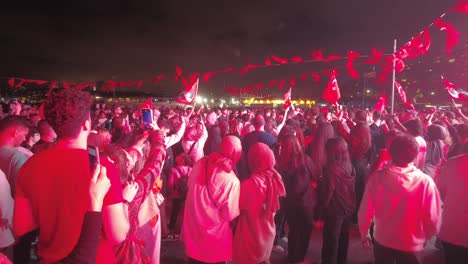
x,y
11,82
401,92
287,99
381,103
188,95
332,92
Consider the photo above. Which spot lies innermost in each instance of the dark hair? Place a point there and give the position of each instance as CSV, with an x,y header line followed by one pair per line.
x,y
43,127
66,110
13,121
291,156
337,152
403,150
414,127
258,121
376,115
32,132
360,116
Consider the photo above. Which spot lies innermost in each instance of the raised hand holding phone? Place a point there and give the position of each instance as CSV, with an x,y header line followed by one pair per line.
x,y
99,186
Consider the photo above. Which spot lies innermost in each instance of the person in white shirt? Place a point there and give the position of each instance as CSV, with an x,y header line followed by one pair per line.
x,y
453,186
6,217
212,204
404,205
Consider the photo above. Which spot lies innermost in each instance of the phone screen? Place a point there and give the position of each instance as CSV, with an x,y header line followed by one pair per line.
x,y
147,117
93,154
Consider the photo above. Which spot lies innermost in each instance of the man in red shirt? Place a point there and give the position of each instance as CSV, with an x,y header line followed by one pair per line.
x,y
52,187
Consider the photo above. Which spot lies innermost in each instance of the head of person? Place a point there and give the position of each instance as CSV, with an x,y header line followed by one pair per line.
x,y
260,158
231,148
165,126
33,136
211,119
414,127
337,152
403,150
118,110
47,132
68,113
376,116
13,130
291,155
194,132
100,139
316,150
258,122
360,116
436,132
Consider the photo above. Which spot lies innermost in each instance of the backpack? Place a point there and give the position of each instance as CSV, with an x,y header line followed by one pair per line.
x,y
182,184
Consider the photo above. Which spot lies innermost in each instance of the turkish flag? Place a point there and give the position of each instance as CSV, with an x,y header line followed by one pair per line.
x,y
381,103
188,95
332,92
148,104
287,99
454,92
401,92
453,36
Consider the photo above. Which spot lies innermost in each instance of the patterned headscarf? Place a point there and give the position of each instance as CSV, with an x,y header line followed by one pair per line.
x,y
261,162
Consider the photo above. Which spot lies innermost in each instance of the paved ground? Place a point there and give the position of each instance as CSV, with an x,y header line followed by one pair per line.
x,y
173,252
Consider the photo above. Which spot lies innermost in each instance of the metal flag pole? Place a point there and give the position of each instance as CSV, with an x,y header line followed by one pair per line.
x,y
393,77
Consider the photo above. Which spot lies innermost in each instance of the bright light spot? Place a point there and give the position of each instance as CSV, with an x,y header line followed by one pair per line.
x,y
198,99
205,100
432,93
451,60
367,91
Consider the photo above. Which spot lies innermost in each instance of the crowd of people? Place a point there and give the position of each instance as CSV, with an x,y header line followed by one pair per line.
x,y
230,183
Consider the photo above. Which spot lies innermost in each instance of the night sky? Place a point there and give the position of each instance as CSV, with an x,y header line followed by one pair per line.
x,y
121,39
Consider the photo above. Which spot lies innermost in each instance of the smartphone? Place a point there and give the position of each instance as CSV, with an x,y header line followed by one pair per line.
x,y
93,154
147,118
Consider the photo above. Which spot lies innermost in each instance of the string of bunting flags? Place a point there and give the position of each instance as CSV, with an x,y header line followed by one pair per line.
x,y
419,45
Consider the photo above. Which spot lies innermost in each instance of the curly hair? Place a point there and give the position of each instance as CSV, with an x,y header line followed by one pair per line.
x,y
66,110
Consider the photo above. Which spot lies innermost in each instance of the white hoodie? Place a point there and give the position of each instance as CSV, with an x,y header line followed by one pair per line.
x,y
404,205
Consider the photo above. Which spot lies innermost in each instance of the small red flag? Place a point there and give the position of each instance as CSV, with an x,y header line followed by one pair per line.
x,y
279,59
247,68
287,99
188,95
268,62
297,59
352,55
316,55
272,83
292,82
381,103
148,104
375,57
179,72
332,92
281,84
316,76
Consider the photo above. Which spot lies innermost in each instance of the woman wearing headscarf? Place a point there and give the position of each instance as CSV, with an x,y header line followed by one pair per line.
x,y
212,204
436,150
258,203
